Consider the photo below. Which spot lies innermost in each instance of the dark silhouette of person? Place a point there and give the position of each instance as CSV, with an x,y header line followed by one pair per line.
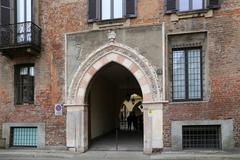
x,y
134,120
130,120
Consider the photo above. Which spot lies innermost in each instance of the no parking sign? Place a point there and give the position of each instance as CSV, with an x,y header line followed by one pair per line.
x,y
58,109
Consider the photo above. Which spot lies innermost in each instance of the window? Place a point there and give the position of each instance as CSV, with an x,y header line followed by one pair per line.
x,y
201,137
190,5
111,9
24,14
24,84
187,74
23,136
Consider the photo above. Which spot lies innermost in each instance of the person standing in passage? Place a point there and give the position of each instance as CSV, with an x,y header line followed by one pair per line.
x,y
130,121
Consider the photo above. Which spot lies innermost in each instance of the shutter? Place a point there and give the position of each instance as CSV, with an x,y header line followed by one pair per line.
x,y
92,10
5,21
5,12
214,4
170,6
131,8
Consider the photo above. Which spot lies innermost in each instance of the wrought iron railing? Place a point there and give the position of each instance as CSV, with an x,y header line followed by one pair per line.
x,y
19,35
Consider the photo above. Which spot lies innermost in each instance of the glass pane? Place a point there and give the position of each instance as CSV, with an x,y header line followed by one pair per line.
x,y
118,8
184,5
31,71
179,75
106,9
20,11
24,71
5,3
29,10
197,4
194,74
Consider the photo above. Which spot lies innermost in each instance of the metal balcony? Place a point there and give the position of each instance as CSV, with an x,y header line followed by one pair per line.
x,y
19,38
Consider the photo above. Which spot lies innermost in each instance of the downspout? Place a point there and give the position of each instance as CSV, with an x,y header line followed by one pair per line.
x,y
65,70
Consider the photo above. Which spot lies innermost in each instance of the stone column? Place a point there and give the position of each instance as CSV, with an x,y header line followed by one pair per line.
x,y
153,126
77,129
147,138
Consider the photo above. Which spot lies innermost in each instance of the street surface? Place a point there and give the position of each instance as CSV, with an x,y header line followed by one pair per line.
x,y
113,155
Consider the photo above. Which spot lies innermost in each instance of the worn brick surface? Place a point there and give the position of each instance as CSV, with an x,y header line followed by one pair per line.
x,y
58,17
224,70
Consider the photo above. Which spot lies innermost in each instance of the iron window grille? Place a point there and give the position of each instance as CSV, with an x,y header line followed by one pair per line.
x,y
24,84
187,80
20,34
201,137
23,137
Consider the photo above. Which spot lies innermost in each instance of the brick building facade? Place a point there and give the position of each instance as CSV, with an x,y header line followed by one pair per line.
x,y
77,41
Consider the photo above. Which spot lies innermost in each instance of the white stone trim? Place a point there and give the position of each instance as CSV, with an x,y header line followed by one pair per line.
x,y
40,132
127,63
227,142
87,77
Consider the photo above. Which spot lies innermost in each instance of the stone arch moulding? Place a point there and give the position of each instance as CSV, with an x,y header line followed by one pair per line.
x,y
138,65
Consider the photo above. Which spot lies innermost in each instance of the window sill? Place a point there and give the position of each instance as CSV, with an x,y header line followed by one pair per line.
x,y
191,14
188,102
25,105
112,23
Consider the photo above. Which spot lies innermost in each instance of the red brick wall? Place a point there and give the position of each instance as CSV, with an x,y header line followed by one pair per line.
x,y
224,70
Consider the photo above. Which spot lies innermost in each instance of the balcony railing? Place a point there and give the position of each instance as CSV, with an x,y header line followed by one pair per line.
x,y
25,35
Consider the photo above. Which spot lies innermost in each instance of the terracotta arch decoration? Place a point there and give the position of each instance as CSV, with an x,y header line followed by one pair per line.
x,y
123,55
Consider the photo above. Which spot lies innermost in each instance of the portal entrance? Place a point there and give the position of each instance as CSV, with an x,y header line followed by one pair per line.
x,y
97,91
115,116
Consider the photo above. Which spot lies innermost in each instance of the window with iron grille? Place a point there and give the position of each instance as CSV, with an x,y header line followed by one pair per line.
x,y
111,9
201,137
24,84
23,137
187,74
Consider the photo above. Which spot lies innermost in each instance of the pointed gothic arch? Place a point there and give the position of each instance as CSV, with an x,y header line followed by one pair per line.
x,y
123,55
141,69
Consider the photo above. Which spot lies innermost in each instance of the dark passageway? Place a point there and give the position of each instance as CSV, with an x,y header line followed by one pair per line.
x,y
109,90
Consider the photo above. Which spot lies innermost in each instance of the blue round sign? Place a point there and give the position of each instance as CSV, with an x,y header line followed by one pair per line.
x,y
58,107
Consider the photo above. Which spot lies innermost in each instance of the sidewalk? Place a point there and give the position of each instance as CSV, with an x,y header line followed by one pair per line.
x,y
198,155
14,154
35,153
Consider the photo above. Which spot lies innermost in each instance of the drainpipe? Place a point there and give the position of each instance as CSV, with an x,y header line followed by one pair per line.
x,y
65,69
163,62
